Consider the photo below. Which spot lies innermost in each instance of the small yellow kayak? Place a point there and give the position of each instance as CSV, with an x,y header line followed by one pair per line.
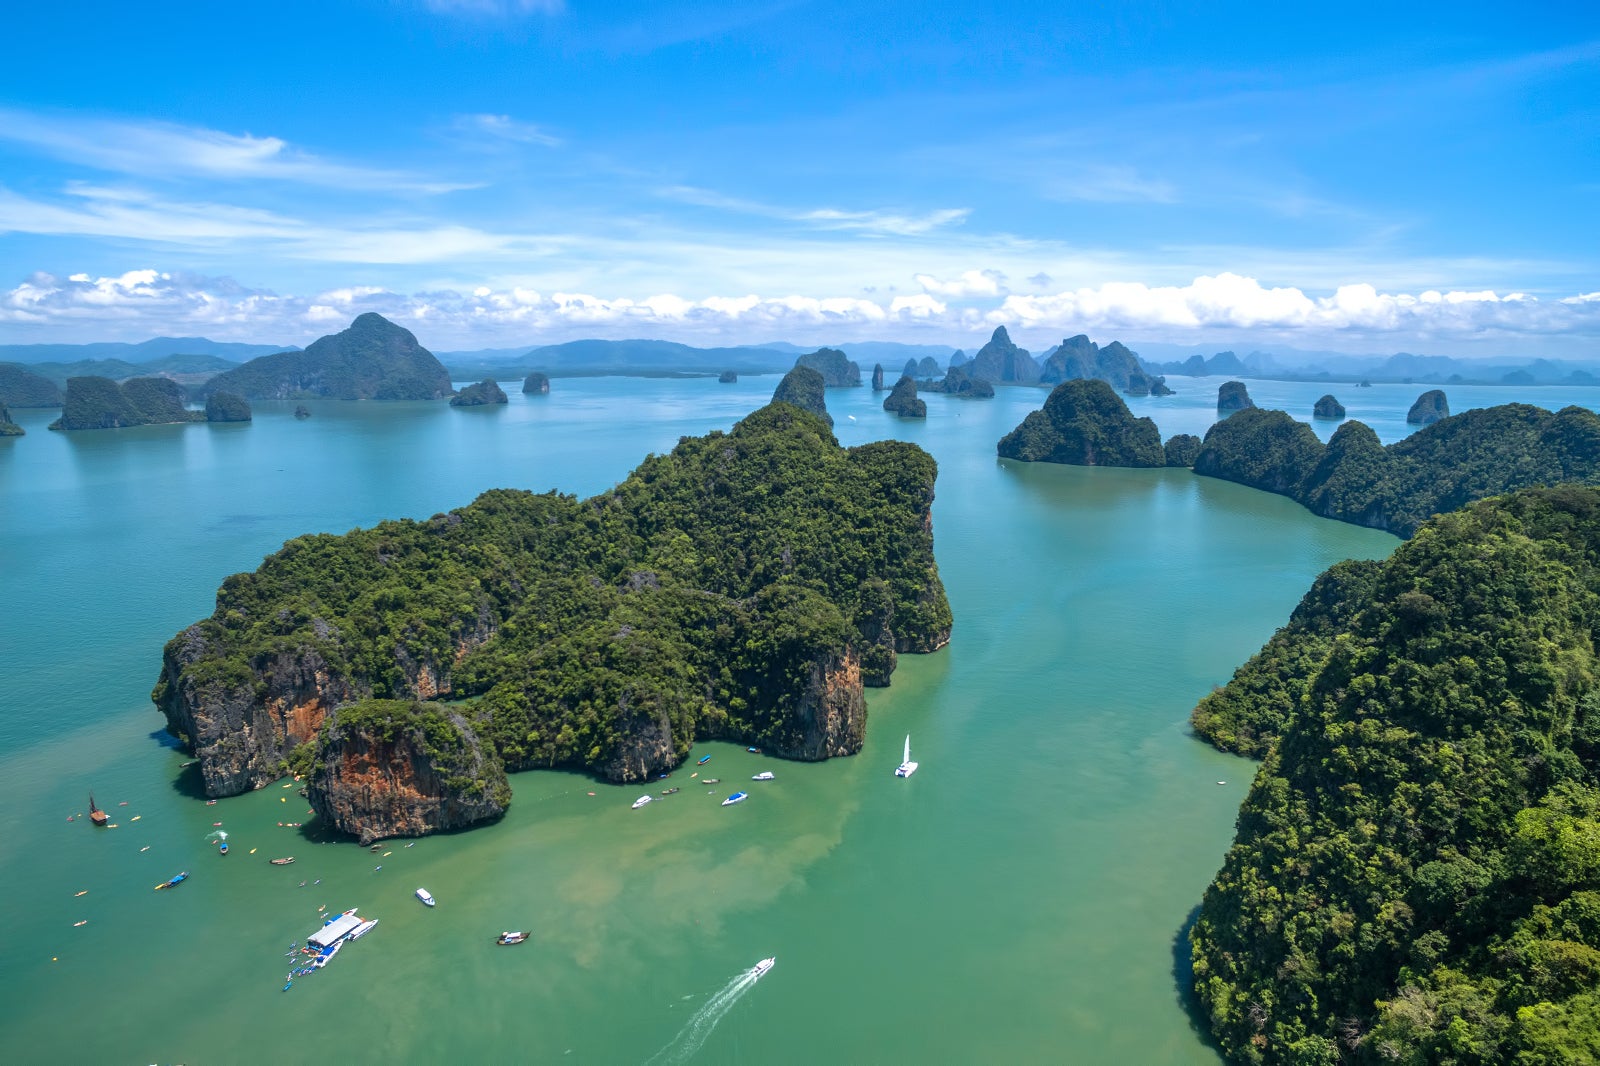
x,y
252,851
135,818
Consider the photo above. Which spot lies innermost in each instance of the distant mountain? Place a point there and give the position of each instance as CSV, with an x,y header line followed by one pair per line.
x,y
615,357
188,369
372,360
21,387
137,354
1299,364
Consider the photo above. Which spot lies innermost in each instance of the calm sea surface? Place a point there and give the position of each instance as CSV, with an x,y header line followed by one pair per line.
x,y
1022,899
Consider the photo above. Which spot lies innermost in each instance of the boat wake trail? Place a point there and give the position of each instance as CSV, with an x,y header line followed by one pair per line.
x,y
698,1028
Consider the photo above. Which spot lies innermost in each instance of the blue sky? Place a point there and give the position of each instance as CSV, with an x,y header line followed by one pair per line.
x,y
496,173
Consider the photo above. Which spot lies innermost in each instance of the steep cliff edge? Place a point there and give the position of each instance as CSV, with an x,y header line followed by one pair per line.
x,y
1085,423
387,768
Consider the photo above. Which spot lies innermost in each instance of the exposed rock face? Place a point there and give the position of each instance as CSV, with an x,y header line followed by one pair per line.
x,y
372,360
480,395
1003,363
1233,396
1430,407
388,768
727,377
1182,449
1085,423
227,407
832,718
877,377
1079,357
21,387
100,403
8,428
241,738
836,368
803,387
1328,407
903,400
536,382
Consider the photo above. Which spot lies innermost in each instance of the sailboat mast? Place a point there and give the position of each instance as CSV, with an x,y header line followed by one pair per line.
x,y
908,749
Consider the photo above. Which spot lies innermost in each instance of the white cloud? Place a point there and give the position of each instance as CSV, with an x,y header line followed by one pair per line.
x,y
506,128
165,149
880,222
148,302
971,283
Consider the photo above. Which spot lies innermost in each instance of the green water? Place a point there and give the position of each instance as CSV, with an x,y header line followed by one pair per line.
x,y
1018,900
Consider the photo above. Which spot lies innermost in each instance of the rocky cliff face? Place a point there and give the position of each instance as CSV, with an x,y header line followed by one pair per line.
x,y
536,383
8,428
903,400
1328,407
241,732
803,387
832,716
836,368
877,377
1430,407
392,769
1002,362
1233,396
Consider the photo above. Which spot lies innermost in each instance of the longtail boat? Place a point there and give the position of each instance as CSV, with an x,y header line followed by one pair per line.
x,y
96,815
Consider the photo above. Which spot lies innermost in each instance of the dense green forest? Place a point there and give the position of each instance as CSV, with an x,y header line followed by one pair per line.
x,y
1085,423
21,387
1439,468
904,401
227,407
100,403
1416,872
805,388
8,428
483,394
714,593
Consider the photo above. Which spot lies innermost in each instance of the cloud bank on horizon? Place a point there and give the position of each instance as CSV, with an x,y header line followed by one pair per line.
x,y
499,173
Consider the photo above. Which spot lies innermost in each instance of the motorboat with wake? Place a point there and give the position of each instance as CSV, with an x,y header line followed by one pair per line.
x,y
764,965
737,797
507,939
423,895
642,800
906,767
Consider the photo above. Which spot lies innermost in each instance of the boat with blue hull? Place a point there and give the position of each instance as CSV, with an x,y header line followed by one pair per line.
x,y
737,797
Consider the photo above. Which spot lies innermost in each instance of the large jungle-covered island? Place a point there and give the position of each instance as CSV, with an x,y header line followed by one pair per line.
x,y
744,586
1416,872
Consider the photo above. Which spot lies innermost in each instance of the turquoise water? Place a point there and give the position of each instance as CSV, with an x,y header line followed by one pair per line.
x,y
1019,899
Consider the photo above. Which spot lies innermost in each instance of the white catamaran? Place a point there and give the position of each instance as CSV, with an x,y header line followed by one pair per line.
x,y
906,767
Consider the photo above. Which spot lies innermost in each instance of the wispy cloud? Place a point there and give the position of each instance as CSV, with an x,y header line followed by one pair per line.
x,y
493,8
505,128
1105,184
885,222
166,150
971,283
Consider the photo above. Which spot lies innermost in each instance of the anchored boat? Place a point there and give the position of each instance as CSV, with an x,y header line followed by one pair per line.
x,y
642,800
285,861
765,775
737,797
703,760
172,881
507,939
423,895
96,815
906,767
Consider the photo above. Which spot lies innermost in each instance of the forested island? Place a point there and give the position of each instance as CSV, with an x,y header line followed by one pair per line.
x,y
745,586
21,387
373,359
837,369
1085,423
8,428
804,388
904,401
483,394
100,403
1416,872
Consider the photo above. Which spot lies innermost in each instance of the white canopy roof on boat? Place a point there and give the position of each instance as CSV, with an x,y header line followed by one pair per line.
x,y
335,930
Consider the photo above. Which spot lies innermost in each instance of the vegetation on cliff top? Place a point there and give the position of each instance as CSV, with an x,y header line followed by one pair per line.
x,y
8,428
373,359
100,403
804,388
227,407
1439,468
1416,872
836,368
482,394
698,598
904,401
1085,423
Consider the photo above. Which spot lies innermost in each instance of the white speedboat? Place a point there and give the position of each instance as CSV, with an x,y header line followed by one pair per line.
x,y
363,929
642,800
764,965
423,895
906,767
737,797
765,775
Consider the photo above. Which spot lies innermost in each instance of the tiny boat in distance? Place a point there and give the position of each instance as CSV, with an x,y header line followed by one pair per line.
x,y
668,791
703,760
507,939
642,800
96,815
423,895
906,767
765,775
222,847
737,797
764,965
285,861
172,881
712,781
